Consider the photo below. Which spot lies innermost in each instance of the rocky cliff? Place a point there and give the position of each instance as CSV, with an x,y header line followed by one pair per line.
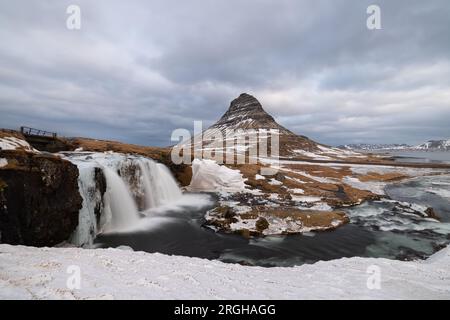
x,y
39,198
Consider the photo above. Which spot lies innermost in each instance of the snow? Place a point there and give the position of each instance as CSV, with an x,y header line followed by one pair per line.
x,y
306,198
42,273
312,155
275,182
209,176
307,175
320,206
13,143
376,187
3,162
296,191
259,177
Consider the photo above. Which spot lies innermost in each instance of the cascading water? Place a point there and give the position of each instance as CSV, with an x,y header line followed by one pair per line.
x,y
87,222
159,185
127,178
120,211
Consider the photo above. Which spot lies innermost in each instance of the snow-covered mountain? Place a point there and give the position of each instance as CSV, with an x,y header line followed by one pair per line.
x,y
434,145
246,113
375,146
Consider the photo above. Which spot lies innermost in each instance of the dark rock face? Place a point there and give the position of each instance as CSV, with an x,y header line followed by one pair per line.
x,y
246,112
47,144
431,214
39,199
100,185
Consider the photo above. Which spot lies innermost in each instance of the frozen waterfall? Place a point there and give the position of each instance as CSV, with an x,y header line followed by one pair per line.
x,y
120,210
132,183
159,185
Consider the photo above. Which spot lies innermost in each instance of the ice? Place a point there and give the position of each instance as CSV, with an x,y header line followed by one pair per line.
x,y
209,176
376,187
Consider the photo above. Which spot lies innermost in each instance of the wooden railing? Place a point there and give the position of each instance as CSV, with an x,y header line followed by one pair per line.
x,y
37,132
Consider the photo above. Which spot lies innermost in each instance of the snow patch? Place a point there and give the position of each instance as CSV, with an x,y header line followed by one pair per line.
x,y
275,182
40,273
3,162
13,143
376,187
208,176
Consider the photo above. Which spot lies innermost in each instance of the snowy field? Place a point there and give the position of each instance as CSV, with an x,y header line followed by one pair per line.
x,y
32,273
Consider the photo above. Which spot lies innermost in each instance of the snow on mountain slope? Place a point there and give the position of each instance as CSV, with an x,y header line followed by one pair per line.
x,y
375,147
441,145
245,115
42,273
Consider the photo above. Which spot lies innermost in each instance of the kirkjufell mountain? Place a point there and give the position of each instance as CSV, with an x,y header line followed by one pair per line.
x,y
246,113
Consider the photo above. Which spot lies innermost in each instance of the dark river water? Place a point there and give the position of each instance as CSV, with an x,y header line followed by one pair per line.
x,y
383,228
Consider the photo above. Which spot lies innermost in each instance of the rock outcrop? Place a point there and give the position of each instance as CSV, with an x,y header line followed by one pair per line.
x,y
39,199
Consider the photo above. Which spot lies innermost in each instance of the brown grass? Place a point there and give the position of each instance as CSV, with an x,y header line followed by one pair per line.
x,y
374,176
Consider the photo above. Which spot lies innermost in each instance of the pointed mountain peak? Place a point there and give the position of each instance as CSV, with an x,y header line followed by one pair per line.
x,y
245,102
246,112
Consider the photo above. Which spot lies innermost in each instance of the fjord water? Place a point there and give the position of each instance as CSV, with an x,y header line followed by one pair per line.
x,y
421,156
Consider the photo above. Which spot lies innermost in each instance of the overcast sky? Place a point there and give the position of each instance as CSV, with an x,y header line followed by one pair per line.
x,y
139,69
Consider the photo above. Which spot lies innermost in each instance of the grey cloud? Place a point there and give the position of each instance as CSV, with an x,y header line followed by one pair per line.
x,y
139,69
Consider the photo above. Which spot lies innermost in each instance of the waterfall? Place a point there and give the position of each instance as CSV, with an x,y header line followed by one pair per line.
x,y
159,186
120,211
87,222
128,178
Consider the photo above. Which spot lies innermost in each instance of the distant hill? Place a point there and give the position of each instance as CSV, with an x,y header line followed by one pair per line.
x,y
374,147
431,145
434,145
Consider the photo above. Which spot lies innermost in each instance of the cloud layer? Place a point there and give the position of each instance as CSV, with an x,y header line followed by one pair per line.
x,y
139,69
